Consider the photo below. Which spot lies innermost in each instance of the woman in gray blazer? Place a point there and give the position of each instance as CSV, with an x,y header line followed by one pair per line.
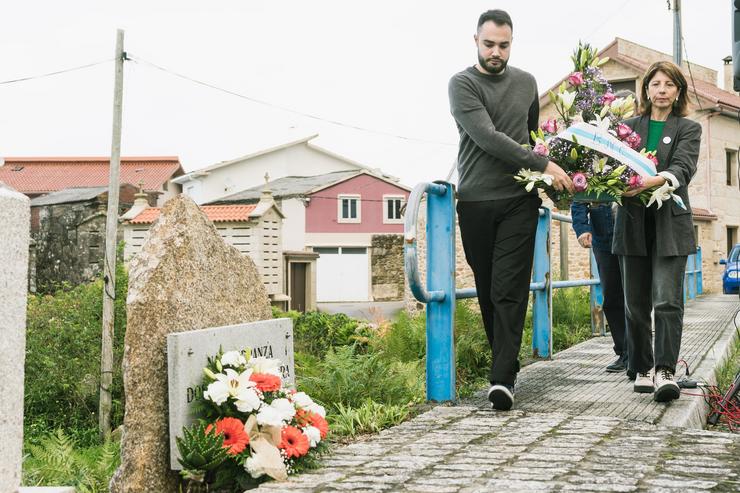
x,y
653,243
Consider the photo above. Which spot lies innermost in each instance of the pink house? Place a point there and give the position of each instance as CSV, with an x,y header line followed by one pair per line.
x,y
354,220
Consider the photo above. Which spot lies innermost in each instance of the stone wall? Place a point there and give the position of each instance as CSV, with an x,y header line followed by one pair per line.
x,y
386,258
70,243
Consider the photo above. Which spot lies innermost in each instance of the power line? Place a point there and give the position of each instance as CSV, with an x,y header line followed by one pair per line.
x,y
49,74
691,74
283,108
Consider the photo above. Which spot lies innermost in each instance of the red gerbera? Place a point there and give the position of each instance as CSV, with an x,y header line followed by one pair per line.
x,y
319,422
235,437
294,442
266,382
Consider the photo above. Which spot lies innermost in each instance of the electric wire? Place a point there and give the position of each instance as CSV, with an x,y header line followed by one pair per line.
x,y
57,72
137,59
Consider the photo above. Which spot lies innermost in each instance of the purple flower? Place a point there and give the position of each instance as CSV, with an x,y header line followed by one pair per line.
x,y
575,79
579,182
541,149
550,126
635,181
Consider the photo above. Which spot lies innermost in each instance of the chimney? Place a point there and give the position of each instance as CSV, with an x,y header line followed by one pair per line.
x,y
141,202
727,74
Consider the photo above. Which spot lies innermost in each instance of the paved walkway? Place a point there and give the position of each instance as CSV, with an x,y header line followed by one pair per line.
x,y
574,428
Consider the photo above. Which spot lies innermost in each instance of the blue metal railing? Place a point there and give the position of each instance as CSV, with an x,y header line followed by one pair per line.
x,y
440,292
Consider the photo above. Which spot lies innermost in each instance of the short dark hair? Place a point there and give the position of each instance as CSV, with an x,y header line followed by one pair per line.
x,y
499,17
673,71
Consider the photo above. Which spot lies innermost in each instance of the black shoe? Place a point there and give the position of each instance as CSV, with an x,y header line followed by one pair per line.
x,y
501,396
631,375
616,367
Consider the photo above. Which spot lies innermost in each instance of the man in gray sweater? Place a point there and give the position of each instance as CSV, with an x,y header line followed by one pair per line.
x,y
495,106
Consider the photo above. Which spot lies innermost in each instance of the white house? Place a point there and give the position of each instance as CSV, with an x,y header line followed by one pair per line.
x,y
353,220
297,157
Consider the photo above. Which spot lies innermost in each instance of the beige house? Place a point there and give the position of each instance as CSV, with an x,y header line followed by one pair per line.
x,y
715,189
255,230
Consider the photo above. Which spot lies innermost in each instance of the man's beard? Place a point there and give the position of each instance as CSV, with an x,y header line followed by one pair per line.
x,y
488,67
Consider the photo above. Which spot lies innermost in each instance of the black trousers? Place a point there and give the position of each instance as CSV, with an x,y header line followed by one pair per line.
x,y
653,283
611,286
498,239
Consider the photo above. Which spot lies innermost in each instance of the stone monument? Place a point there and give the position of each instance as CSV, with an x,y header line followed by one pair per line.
x,y
184,278
15,218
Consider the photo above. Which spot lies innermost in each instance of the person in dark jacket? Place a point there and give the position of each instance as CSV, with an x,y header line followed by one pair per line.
x,y
594,227
653,243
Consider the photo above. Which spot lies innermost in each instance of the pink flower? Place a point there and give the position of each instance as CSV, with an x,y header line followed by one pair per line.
x,y
623,131
635,181
608,98
652,157
579,182
541,149
550,126
634,140
575,79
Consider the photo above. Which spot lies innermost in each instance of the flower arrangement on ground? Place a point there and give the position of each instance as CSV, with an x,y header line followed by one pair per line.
x,y
589,140
249,427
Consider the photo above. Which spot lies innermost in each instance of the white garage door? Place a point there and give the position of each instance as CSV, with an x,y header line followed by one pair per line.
x,y
342,274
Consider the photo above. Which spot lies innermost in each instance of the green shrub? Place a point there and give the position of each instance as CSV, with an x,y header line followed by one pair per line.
x,y
62,369
316,332
347,377
369,417
57,459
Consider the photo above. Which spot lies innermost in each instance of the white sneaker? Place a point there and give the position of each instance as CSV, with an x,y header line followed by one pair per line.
x,y
644,382
666,389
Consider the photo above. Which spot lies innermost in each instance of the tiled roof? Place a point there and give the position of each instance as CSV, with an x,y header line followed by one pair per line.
x,y
216,213
32,175
703,214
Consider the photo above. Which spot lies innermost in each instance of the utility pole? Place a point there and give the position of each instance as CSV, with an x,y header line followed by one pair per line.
x,y
677,32
111,229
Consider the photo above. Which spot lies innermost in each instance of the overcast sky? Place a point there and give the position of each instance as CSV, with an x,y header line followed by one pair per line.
x,y
381,65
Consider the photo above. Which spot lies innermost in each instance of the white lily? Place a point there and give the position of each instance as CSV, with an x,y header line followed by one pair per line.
x,y
302,399
318,409
233,358
601,123
247,400
533,177
567,98
265,365
228,384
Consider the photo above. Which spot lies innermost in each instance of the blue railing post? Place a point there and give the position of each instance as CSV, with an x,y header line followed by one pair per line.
x,y
700,272
542,304
441,277
596,299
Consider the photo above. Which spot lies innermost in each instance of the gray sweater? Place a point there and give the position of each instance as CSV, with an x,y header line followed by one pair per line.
x,y
494,114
